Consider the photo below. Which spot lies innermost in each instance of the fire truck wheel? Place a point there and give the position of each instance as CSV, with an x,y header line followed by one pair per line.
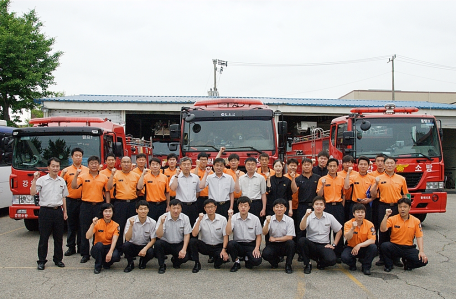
x,y
31,224
420,216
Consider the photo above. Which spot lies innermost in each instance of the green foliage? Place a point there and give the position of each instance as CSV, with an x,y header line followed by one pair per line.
x,y
26,61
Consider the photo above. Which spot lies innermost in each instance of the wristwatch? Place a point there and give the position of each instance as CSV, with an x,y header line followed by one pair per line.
x,y
333,245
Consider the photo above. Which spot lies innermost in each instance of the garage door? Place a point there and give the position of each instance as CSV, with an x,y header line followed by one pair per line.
x,y
114,116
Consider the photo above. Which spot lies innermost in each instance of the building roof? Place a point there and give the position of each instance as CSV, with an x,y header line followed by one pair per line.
x,y
87,98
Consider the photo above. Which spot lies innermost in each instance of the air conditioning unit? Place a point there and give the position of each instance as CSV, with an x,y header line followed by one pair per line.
x,y
305,125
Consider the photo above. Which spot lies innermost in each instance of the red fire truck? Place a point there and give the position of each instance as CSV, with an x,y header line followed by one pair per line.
x,y
413,139
243,126
56,137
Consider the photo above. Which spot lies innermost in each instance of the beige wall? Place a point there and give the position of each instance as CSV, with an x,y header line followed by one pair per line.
x,y
385,95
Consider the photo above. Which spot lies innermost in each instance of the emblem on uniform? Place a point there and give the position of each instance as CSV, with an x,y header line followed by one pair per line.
x,y
149,182
397,226
120,180
87,181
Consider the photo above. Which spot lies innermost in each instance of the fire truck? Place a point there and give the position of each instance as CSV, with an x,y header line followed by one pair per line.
x,y
414,140
56,137
246,127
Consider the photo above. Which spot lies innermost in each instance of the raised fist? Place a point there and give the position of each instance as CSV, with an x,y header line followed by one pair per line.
x,y
268,218
208,170
94,220
323,181
78,172
308,212
350,169
64,171
178,171
113,171
355,224
377,179
163,218
238,173
230,213
388,212
36,175
132,221
200,216
163,163
222,149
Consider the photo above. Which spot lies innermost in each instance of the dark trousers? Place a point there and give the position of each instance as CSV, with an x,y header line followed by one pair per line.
x,y
316,251
338,212
242,249
301,211
122,211
50,221
86,215
191,211
274,250
256,207
393,251
163,248
384,237
349,210
156,209
222,208
366,253
131,251
200,204
74,234
198,246
99,252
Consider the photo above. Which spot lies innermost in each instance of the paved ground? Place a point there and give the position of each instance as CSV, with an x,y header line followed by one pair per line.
x,y
20,279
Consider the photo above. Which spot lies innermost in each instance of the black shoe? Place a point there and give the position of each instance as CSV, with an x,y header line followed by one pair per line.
x,y
70,252
59,264
176,265
406,267
40,266
85,259
106,266
366,271
96,271
129,267
320,266
241,258
196,268
398,263
288,269
162,269
380,263
210,260
352,268
235,267
248,265
281,259
339,260
387,269
274,266
142,264
308,269
299,258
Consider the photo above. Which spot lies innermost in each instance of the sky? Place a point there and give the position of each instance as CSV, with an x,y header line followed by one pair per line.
x,y
290,49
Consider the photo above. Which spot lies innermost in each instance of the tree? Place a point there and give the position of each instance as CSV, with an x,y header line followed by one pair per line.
x,y
26,61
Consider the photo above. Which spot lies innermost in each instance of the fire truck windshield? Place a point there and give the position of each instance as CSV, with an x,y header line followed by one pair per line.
x,y
32,152
398,137
233,134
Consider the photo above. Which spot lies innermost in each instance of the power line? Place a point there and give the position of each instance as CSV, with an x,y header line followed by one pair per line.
x,y
426,78
409,60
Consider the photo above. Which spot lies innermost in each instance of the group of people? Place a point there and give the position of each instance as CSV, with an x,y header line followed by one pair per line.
x,y
183,212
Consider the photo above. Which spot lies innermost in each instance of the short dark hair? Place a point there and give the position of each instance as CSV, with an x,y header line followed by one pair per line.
x,y
77,149
323,153
175,202
184,159
347,158
292,160
364,158
219,160
277,161
333,160
53,159
233,156
172,155
405,200
318,198
105,206
390,158
141,155
380,156
155,159
306,160
110,155
203,155
93,158
244,199
250,159
358,207
142,202
263,155
208,201
280,201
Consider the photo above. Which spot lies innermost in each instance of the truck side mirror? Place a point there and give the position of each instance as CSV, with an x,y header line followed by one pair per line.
x,y
174,131
172,147
282,127
348,138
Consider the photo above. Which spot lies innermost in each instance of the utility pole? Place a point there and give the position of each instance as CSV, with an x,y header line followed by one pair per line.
x,y
392,64
213,92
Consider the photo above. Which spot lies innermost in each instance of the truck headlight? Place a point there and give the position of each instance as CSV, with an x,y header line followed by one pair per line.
x,y
23,199
434,185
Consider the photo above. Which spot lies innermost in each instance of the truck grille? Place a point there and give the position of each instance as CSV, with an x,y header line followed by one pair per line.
x,y
412,178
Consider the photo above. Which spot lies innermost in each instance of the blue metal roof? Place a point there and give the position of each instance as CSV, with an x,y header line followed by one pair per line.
x,y
87,98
